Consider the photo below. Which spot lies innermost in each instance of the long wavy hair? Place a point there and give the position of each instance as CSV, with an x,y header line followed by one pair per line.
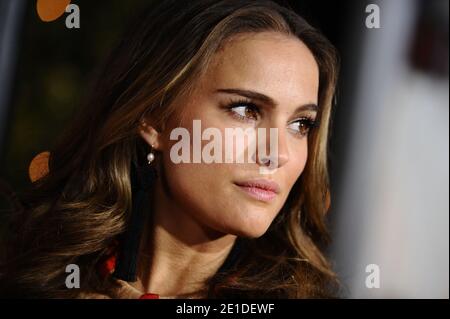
x,y
82,206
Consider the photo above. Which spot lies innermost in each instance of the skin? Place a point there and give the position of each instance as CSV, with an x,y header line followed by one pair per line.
x,y
199,210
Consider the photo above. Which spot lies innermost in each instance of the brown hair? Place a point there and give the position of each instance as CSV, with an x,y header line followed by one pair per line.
x,y
75,213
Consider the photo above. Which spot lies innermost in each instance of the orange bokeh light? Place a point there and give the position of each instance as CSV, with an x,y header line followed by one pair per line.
x,y
50,10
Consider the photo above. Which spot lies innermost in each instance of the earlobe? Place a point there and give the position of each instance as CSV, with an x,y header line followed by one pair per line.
x,y
150,135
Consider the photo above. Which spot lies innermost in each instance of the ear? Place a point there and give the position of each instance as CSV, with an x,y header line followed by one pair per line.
x,y
150,135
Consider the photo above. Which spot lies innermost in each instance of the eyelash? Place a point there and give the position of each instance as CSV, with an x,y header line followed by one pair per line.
x,y
308,121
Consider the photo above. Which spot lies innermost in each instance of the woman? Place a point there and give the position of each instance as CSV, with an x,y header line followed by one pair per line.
x,y
138,222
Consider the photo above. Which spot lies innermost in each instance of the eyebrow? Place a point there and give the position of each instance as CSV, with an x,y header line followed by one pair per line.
x,y
266,99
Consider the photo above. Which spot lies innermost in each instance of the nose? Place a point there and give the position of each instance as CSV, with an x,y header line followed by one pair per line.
x,y
273,150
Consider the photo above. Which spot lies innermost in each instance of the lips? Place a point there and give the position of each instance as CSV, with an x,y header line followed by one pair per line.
x,y
261,189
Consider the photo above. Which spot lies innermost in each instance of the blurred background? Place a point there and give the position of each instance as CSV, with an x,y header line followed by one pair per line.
x,y
389,149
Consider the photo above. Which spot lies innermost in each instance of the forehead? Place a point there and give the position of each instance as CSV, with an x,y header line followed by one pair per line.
x,y
271,63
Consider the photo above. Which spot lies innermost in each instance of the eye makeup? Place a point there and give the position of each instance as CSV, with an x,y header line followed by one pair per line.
x,y
246,111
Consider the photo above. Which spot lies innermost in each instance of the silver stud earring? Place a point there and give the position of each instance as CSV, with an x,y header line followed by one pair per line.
x,y
150,156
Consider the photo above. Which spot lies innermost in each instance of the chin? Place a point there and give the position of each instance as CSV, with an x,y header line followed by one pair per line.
x,y
250,233
249,229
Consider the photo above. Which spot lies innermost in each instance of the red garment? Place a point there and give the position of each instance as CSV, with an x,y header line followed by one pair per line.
x,y
149,296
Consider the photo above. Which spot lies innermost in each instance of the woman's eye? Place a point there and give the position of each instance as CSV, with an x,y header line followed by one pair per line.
x,y
245,111
302,126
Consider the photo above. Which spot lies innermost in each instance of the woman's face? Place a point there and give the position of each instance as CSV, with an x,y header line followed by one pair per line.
x,y
263,80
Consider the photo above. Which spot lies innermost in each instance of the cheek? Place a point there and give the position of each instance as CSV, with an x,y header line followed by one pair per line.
x,y
203,190
191,180
205,193
194,181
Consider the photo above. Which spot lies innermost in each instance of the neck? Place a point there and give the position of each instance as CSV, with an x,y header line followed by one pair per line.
x,y
178,254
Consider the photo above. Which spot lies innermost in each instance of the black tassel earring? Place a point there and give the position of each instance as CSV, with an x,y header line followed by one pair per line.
x,y
142,180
